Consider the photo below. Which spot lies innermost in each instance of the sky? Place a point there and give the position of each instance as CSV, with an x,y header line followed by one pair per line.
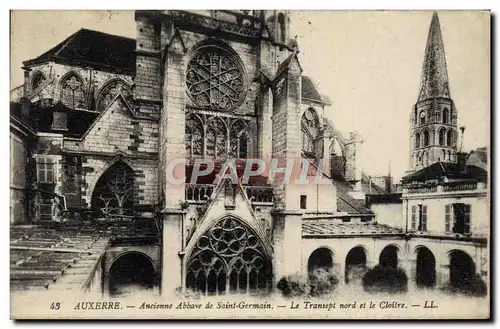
x,y
367,62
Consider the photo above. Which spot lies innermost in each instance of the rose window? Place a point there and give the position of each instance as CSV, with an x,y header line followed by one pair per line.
x,y
215,79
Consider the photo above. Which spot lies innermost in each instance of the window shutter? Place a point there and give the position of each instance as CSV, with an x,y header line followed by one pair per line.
x,y
467,218
447,218
424,218
413,217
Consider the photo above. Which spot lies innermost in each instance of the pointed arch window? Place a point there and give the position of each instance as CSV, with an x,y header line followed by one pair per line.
x,y
310,131
446,116
438,116
281,28
37,80
239,138
216,138
442,134
109,92
228,258
114,192
72,91
417,140
335,148
194,136
450,138
425,137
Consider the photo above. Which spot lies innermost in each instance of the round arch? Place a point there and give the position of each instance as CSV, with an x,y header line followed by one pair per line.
x,y
425,270
131,270
462,268
389,256
356,264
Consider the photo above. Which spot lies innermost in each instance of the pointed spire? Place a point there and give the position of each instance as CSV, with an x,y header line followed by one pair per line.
x,y
434,78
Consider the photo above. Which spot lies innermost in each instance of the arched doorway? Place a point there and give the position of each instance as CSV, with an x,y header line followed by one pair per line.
x,y
355,265
320,259
389,257
426,268
462,269
229,258
114,192
321,276
131,272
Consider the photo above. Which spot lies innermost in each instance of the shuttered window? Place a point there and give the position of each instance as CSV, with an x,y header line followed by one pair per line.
x,y
447,218
423,217
413,217
467,218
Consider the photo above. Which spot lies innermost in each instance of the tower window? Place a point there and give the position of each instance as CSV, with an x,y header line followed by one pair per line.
x,y
423,117
446,115
417,140
442,133
449,138
303,202
281,28
426,138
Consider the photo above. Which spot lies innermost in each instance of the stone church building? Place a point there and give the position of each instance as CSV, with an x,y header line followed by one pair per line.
x,y
101,120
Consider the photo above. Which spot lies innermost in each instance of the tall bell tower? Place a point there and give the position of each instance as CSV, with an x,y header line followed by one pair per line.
x,y
433,119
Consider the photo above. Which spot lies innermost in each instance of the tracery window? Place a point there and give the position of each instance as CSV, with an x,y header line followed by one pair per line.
x,y
238,140
110,91
114,192
194,136
209,136
228,258
215,79
38,79
216,140
72,93
310,130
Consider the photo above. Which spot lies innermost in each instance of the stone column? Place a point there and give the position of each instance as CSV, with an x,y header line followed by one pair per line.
x,y
442,275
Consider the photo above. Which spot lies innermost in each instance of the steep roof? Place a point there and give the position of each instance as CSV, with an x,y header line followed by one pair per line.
x,y
92,48
482,154
434,77
439,170
346,203
309,90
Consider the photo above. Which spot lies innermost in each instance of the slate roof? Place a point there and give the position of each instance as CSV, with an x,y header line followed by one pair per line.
x,y
92,48
439,170
309,90
482,154
346,203
328,227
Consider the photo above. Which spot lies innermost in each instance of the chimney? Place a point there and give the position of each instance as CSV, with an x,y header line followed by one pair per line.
x,y
461,160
